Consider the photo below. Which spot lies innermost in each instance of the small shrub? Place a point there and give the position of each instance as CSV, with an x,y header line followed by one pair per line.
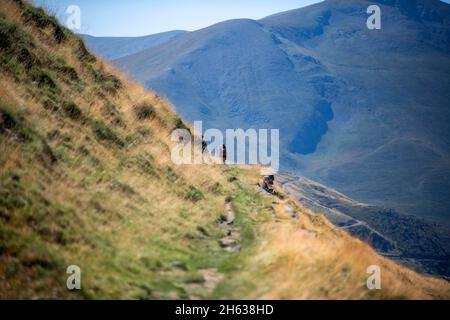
x,y
171,175
122,187
43,79
47,156
118,121
25,56
50,104
7,121
145,165
11,66
152,264
59,33
83,150
36,254
40,19
179,124
10,125
216,188
109,82
203,231
144,111
16,45
194,194
87,67
144,132
104,133
70,72
53,134
175,122
83,53
109,109
63,69
71,110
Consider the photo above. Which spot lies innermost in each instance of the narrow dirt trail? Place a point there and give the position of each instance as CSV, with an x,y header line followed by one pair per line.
x,y
230,241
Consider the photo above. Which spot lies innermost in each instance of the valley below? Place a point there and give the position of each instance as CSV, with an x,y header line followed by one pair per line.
x,y
414,242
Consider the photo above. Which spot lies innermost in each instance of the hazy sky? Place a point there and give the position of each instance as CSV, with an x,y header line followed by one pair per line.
x,y
143,17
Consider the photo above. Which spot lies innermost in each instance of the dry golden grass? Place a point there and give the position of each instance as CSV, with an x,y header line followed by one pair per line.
x,y
311,259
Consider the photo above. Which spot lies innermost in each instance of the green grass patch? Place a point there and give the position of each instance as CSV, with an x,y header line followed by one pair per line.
x,y
145,163
104,133
13,126
67,72
40,19
16,48
44,80
71,110
83,53
193,194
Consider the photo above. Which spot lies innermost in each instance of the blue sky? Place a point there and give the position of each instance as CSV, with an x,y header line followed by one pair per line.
x,y
143,17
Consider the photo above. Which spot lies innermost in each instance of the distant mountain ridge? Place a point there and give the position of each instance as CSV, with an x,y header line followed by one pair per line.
x,y
112,48
362,111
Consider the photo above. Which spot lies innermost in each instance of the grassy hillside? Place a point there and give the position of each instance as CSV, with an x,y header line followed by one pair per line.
x,y
86,179
352,112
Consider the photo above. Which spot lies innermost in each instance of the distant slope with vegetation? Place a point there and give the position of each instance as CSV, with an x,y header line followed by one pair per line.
x,y
86,179
413,241
116,47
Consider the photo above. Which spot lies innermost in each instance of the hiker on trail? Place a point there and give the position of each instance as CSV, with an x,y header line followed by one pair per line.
x,y
268,183
224,153
204,144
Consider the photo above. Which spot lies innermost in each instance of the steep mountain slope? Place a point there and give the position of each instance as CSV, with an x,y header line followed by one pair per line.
x,y
86,179
116,47
413,241
362,111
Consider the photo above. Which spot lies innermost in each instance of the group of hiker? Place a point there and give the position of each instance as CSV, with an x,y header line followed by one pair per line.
x,y
223,150
268,179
